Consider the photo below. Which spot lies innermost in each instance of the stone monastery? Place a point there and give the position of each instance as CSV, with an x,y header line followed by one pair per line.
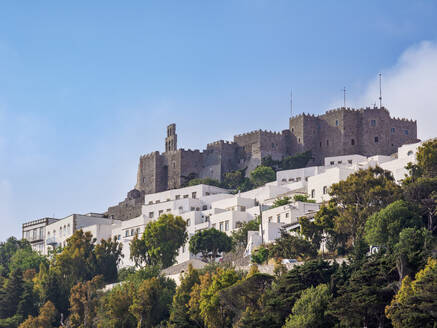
x,y
342,131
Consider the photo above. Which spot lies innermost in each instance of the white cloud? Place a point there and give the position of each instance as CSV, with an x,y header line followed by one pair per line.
x,y
409,88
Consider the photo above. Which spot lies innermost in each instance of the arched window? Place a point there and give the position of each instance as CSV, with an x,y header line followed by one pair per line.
x,y
325,190
352,142
410,153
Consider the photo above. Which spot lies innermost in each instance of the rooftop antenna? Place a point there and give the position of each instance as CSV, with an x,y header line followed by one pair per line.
x,y
380,91
344,97
291,102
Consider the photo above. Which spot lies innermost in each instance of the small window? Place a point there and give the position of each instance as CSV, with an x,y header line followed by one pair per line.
x,y
207,194
332,163
273,145
270,219
349,161
278,218
160,212
150,215
406,132
410,153
298,140
192,208
393,130
320,144
126,234
168,209
325,190
286,215
168,199
339,162
373,123
226,225
188,222
352,142
174,164
180,208
178,197
243,208
221,226
336,122
284,180
157,202
327,142
292,129
185,196
193,195
151,202
204,207
132,231
376,139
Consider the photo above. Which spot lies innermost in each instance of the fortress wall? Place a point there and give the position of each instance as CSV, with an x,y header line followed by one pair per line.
x,y
380,130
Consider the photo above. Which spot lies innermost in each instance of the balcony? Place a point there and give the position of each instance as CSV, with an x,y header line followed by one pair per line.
x,y
51,241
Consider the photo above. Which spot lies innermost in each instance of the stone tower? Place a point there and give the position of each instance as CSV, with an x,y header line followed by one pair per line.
x,y
171,142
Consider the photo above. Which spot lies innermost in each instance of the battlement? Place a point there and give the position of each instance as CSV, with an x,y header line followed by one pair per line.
x,y
398,119
150,155
220,142
258,133
193,151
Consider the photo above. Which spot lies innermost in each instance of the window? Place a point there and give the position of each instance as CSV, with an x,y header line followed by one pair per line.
x,y
178,196
270,219
226,225
286,215
306,178
160,212
332,163
168,210
193,195
180,208
214,225
298,140
119,237
68,228
185,196
60,232
352,142
393,130
41,233
157,202
221,226
174,164
192,208
197,208
188,222
150,215
284,180
406,132
373,123
292,129
132,232
327,142
243,208
339,162
376,139
168,199
325,190
278,218
349,161
126,233
151,202
410,153
137,231
336,122
298,179
320,144
273,145
207,194
313,193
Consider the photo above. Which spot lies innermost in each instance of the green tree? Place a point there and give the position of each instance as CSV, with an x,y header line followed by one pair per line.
x,y
303,198
281,201
309,311
11,294
412,250
359,196
114,307
25,259
260,255
261,175
84,303
239,236
297,161
362,299
152,301
383,228
415,303
215,314
179,315
289,246
205,181
108,256
7,250
427,159
210,243
47,318
276,303
160,241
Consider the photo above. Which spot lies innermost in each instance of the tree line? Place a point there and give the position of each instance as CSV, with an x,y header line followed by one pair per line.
x,y
395,286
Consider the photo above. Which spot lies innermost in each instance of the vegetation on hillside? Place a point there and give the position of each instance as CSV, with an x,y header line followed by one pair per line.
x,y
393,287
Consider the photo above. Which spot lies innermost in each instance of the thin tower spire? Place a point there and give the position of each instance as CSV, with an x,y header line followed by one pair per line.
x,y
291,102
380,91
344,97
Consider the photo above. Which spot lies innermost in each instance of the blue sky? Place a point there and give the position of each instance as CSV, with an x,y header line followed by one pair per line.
x,y
86,87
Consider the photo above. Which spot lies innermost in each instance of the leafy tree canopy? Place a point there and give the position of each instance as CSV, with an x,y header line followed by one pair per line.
x,y
210,243
261,175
